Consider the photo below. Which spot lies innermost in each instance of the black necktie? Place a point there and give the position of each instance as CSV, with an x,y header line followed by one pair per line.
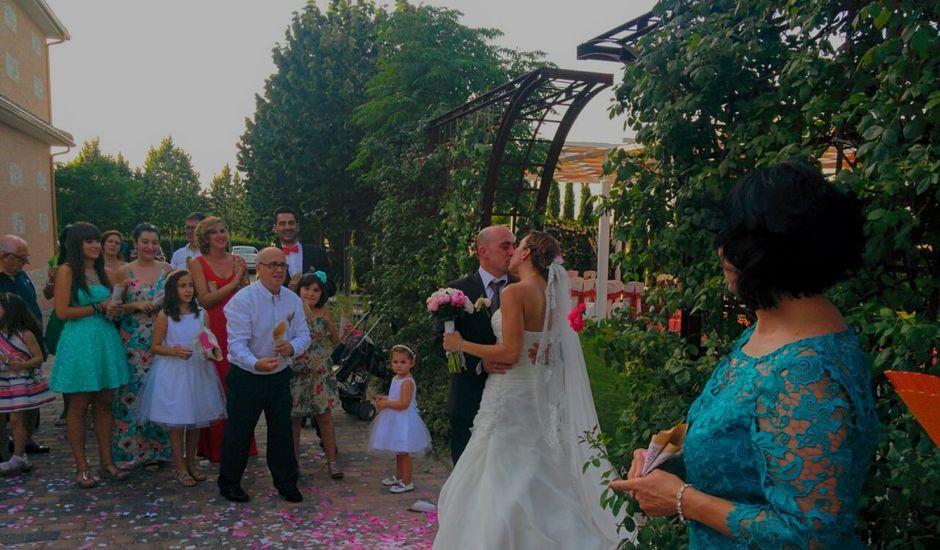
x,y
495,286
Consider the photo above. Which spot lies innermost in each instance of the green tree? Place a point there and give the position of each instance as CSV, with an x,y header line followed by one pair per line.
x,y
567,208
724,86
554,200
586,211
228,200
171,188
97,188
428,63
297,149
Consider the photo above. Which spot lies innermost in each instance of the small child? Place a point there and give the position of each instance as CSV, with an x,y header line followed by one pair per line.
x,y
398,427
313,387
22,387
182,391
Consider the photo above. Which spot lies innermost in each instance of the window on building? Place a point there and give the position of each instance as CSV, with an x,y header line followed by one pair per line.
x,y
38,45
19,223
38,87
42,180
43,222
9,16
13,67
16,174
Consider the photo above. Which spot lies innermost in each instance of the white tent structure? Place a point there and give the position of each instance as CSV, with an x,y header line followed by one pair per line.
x,y
583,163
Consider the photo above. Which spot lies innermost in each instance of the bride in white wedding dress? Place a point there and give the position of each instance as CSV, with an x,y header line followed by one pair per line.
x,y
519,483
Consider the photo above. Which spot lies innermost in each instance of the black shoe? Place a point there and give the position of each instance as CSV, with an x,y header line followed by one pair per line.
x,y
36,449
234,494
292,496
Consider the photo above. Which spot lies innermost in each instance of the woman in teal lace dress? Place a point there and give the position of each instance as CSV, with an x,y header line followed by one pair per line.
x,y
89,362
780,440
137,443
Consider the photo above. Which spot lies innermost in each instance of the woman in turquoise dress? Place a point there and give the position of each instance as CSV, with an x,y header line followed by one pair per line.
x,y
142,281
780,440
89,363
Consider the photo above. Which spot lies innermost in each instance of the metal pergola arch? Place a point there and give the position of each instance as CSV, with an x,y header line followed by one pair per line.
x,y
533,101
616,44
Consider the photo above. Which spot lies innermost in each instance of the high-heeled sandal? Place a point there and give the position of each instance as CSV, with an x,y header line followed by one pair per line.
x,y
197,474
112,472
185,479
85,480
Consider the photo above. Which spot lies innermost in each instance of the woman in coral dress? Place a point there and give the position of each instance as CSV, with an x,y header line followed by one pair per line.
x,y
218,275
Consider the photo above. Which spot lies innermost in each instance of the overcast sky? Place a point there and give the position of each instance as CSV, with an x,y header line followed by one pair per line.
x,y
136,71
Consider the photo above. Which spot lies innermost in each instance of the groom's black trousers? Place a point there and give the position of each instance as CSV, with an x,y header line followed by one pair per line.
x,y
248,395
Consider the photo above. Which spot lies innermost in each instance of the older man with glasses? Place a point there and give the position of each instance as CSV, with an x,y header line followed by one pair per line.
x,y
191,250
14,257
266,331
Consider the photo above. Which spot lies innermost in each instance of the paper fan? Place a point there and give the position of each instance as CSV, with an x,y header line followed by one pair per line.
x,y
921,394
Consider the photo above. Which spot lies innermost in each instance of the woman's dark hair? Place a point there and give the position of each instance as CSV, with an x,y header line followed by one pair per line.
x,y
789,233
63,252
145,227
115,233
78,235
171,303
543,250
313,279
17,317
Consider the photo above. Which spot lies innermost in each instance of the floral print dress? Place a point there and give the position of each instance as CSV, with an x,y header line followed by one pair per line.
x,y
134,443
313,387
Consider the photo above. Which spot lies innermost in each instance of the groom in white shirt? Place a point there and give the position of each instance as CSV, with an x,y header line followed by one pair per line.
x,y
260,379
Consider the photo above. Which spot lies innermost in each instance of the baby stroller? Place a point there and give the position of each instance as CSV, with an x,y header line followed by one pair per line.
x,y
353,362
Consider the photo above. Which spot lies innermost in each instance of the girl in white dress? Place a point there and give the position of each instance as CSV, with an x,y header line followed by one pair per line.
x,y
182,390
519,484
398,427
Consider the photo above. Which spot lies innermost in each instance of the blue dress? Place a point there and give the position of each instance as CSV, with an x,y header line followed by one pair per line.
x,y
90,353
787,438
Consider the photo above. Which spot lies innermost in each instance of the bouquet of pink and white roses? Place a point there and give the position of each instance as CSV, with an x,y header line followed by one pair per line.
x,y
447,304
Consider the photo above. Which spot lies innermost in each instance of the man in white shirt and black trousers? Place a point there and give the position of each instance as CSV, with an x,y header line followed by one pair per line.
x,y
260,377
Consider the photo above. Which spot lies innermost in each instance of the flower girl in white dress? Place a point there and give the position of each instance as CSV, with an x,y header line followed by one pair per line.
x,y
182,390
398,427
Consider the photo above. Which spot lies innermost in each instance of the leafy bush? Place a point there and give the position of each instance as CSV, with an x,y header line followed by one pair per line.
x,y
578,243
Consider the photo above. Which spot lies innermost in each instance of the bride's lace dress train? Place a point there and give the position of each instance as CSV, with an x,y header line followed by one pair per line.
x,y
512,488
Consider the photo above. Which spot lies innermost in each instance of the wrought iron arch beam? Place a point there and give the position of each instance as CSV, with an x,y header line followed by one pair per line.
x,y
561,134
526,88
532,99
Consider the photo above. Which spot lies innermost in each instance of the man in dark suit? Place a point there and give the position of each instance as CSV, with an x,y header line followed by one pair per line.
x,y
494,247
301,258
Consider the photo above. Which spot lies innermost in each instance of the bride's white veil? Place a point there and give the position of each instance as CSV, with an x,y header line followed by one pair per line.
x,y
567,410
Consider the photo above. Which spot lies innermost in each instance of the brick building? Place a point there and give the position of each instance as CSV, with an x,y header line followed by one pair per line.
x,y
27,136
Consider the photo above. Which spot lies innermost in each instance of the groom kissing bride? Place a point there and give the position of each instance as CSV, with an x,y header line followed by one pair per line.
x,y
517,480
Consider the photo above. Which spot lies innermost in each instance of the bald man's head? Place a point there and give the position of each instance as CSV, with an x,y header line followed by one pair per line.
x,y
494,246
272,268
14,254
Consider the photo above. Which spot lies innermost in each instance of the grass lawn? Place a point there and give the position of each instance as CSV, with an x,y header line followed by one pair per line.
x,y
604,388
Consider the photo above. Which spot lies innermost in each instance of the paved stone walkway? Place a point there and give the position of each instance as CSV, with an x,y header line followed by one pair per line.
x,y
44,508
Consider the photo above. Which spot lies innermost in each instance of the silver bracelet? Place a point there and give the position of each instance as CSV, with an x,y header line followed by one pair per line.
x,y
679,502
